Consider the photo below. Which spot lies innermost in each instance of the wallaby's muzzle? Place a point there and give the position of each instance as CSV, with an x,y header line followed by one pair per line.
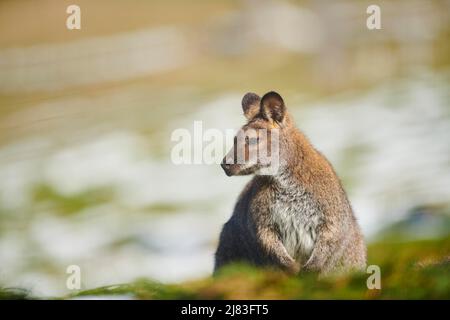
x,y
227,168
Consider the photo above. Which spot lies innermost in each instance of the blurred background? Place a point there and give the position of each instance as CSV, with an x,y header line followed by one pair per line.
x,y
86,119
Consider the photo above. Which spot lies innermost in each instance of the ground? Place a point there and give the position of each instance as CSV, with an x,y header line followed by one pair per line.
x,y
409,270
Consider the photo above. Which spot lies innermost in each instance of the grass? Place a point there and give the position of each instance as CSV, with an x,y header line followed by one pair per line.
x,y
68,204
409,270
14,294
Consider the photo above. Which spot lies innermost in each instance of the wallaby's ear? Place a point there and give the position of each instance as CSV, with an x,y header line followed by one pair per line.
x,y
272,106
250,105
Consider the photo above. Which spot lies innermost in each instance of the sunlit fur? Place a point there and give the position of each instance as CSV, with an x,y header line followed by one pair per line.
x,y
297,218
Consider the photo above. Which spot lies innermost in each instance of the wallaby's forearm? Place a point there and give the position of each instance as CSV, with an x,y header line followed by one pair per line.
x,y
276,251
327,249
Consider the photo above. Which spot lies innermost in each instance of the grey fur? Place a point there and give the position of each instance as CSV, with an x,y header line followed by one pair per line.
x,y
298,219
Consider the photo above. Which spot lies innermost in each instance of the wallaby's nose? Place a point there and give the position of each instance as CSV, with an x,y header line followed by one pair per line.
x,y
226,167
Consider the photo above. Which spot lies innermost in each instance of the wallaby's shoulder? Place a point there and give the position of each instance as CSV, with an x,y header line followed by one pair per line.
x,y
257,189
314,172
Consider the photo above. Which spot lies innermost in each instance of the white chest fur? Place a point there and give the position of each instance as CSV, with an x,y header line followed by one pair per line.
x,y
296,218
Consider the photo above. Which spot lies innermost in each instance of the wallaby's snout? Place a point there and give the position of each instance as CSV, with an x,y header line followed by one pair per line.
x,y
226,167
229,166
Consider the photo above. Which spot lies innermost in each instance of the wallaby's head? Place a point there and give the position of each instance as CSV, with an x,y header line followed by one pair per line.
x,y
258,146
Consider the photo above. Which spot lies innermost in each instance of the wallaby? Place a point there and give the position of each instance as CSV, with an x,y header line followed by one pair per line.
x,y
293,215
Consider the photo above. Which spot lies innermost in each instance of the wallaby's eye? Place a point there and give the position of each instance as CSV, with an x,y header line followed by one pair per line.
x,y
252,141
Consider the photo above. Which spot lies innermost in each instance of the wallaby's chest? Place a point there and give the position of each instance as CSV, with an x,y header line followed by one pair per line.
x,y
296,217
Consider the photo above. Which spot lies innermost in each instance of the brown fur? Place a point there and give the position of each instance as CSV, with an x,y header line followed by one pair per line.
x,y
298,219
